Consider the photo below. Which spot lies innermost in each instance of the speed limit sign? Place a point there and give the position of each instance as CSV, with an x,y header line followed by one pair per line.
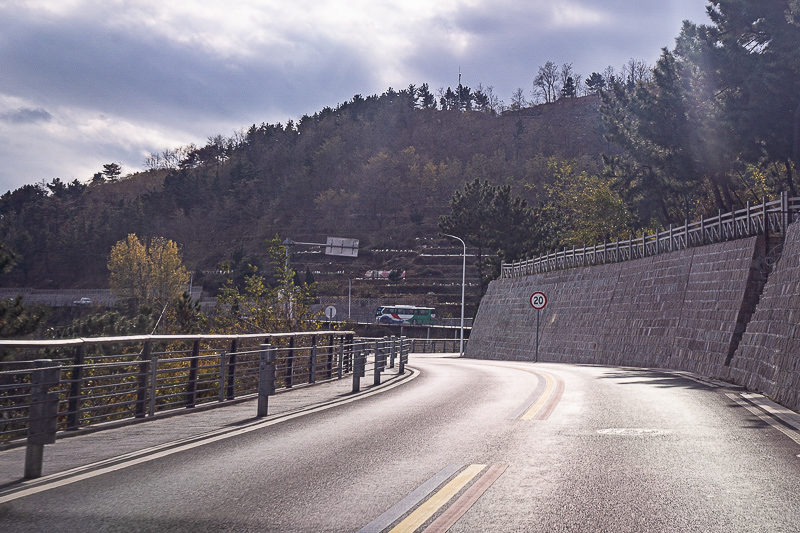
x,y
538,300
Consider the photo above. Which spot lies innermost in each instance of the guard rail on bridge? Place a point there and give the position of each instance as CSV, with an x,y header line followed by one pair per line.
x,y
76,383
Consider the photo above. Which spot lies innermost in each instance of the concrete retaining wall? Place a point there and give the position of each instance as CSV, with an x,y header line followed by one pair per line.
x,y
684,310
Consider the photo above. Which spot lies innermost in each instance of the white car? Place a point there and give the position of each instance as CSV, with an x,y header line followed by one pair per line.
x,y
83,301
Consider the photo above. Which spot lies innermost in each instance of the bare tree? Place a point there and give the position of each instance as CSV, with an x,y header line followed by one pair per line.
x,y
636,71
518,100
547,82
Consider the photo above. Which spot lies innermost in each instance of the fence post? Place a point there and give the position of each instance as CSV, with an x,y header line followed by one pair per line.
x,y
784,211
42,415
329,363
266,378
392,352
312,361
191,386
74,404
765,217
401,366
378,363
231,372
290,363
359,364
223,365
349,342
340,362
141,385
153,384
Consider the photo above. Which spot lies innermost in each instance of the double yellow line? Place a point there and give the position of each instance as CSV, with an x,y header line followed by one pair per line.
x,y
547,400
457,509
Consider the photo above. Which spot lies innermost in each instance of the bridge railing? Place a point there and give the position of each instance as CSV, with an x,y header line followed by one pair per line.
x,y
770,217
102,380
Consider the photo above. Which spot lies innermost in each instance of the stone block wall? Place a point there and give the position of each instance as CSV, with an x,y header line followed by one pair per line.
x,y
677,310
768,357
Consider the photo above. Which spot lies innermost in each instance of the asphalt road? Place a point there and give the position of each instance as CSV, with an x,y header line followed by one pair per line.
x,y
470,446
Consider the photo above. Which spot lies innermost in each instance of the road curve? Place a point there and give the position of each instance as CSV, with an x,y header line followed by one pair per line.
x,y
466,446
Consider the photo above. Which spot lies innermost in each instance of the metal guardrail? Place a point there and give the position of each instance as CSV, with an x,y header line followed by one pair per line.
x,y
99,380
766,218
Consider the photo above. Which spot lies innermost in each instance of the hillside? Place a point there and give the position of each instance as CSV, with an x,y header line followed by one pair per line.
x,y
377,169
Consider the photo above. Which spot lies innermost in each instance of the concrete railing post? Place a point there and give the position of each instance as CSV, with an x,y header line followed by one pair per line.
x,y
392,352
42,415
266,378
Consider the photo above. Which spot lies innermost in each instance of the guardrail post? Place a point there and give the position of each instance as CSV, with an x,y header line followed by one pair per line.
x,y
290,363
231,372
191,386
378,363
75,386
329,363
401,366
349,342
153,384
141,385
340,362
359,366
266,378
312,361
223,365
42,414
392,349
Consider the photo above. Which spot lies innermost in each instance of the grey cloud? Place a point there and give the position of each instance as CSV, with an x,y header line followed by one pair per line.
x,y
26,115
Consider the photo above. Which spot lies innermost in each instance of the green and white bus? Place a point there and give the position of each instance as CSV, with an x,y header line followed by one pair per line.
x,y
405,314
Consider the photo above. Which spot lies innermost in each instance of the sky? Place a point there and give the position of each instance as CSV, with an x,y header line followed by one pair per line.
x,y
84,83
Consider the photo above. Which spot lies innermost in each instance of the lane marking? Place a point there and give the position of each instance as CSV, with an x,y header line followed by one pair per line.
x,y
769,419
409,502
453,513
97,469
548,400
543,398
537,392
435,502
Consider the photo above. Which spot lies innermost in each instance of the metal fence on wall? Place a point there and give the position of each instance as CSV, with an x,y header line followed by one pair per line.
x,y
770,218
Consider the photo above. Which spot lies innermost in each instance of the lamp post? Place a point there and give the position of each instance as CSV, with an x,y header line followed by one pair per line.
x,y
463,283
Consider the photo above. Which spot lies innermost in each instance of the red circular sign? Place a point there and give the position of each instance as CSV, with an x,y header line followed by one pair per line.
x,y
538,300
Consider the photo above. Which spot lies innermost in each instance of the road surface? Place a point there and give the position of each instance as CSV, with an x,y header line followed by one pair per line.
x,y
464,446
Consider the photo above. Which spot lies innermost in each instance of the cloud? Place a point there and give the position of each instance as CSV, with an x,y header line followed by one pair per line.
x,y
86,82
26,115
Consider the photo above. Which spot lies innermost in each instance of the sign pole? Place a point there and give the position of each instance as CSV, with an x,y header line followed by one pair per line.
x,y
538,301
536,359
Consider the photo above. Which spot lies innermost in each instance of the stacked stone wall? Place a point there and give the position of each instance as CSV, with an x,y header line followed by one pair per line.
x,y
677,310
768,357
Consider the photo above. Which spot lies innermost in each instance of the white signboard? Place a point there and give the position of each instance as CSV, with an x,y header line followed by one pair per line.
x,y
342,247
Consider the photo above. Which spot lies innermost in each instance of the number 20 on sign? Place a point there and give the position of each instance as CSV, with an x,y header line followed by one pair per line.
x,y
538,300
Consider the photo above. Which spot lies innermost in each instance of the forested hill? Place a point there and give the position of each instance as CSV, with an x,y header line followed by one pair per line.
x,y
379,169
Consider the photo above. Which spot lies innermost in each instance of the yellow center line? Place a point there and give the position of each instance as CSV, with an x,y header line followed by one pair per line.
x,y
429,508
543,398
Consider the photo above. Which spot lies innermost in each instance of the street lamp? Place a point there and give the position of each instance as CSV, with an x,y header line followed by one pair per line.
x,y
463,282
